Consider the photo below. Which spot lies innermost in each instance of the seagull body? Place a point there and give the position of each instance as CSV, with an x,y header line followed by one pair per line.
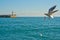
x,y
51,11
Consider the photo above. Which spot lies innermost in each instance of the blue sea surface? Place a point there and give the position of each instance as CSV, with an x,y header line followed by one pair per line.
x,y
29,28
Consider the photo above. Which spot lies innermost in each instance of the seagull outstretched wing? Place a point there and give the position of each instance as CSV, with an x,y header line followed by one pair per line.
x,y
53,12
52,8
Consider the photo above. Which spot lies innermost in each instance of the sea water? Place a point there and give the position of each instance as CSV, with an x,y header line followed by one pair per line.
x,y
30,28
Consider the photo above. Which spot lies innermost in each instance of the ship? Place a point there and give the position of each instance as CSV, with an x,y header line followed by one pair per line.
x,y
13,15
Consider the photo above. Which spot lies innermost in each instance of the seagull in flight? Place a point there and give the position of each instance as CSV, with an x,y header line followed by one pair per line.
x,y
51,11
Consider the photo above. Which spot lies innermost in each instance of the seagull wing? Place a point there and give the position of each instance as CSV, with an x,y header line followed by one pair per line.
x,y
52,8
53,12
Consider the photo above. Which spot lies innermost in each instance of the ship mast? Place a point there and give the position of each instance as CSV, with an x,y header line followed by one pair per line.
x,y
12,13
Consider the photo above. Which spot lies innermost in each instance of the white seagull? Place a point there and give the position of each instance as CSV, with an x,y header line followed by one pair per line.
x,y
51,11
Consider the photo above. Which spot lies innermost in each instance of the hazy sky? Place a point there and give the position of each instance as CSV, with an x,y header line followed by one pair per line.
x,y
28,7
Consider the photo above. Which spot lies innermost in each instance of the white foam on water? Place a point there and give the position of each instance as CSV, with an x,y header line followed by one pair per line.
x,y
41,34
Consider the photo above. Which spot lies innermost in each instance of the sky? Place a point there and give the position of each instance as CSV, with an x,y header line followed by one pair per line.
x,y
28,7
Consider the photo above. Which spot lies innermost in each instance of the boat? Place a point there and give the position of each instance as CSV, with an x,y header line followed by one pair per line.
x,y
13,15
